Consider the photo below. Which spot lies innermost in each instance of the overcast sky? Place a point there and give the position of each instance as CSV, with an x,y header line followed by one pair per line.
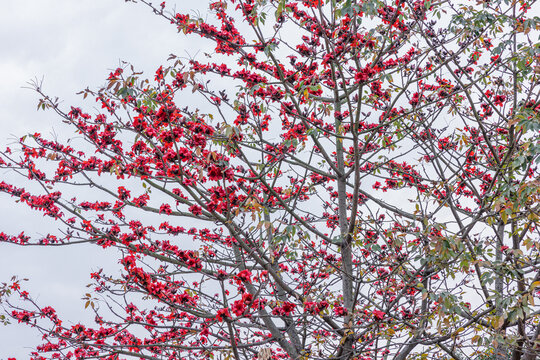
x,y
72,45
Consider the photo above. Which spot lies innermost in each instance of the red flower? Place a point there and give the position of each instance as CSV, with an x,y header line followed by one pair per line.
x,y
205,332
378,314
244,275
286,309
415,99
166,208
195,209
238,308
123,194
313,3
215,173
222,314
340,311
499,100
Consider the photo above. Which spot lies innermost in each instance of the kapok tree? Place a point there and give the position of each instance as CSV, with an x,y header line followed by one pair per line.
x,y
334,180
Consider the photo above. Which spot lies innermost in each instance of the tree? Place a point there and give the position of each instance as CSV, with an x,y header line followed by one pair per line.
x,y
360,183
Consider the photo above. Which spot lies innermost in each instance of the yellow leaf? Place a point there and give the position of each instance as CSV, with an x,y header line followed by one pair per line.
x,y
534,285
504,216
499,322
513,121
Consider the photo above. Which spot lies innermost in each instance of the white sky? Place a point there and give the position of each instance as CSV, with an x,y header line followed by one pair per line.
x,y
72,44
